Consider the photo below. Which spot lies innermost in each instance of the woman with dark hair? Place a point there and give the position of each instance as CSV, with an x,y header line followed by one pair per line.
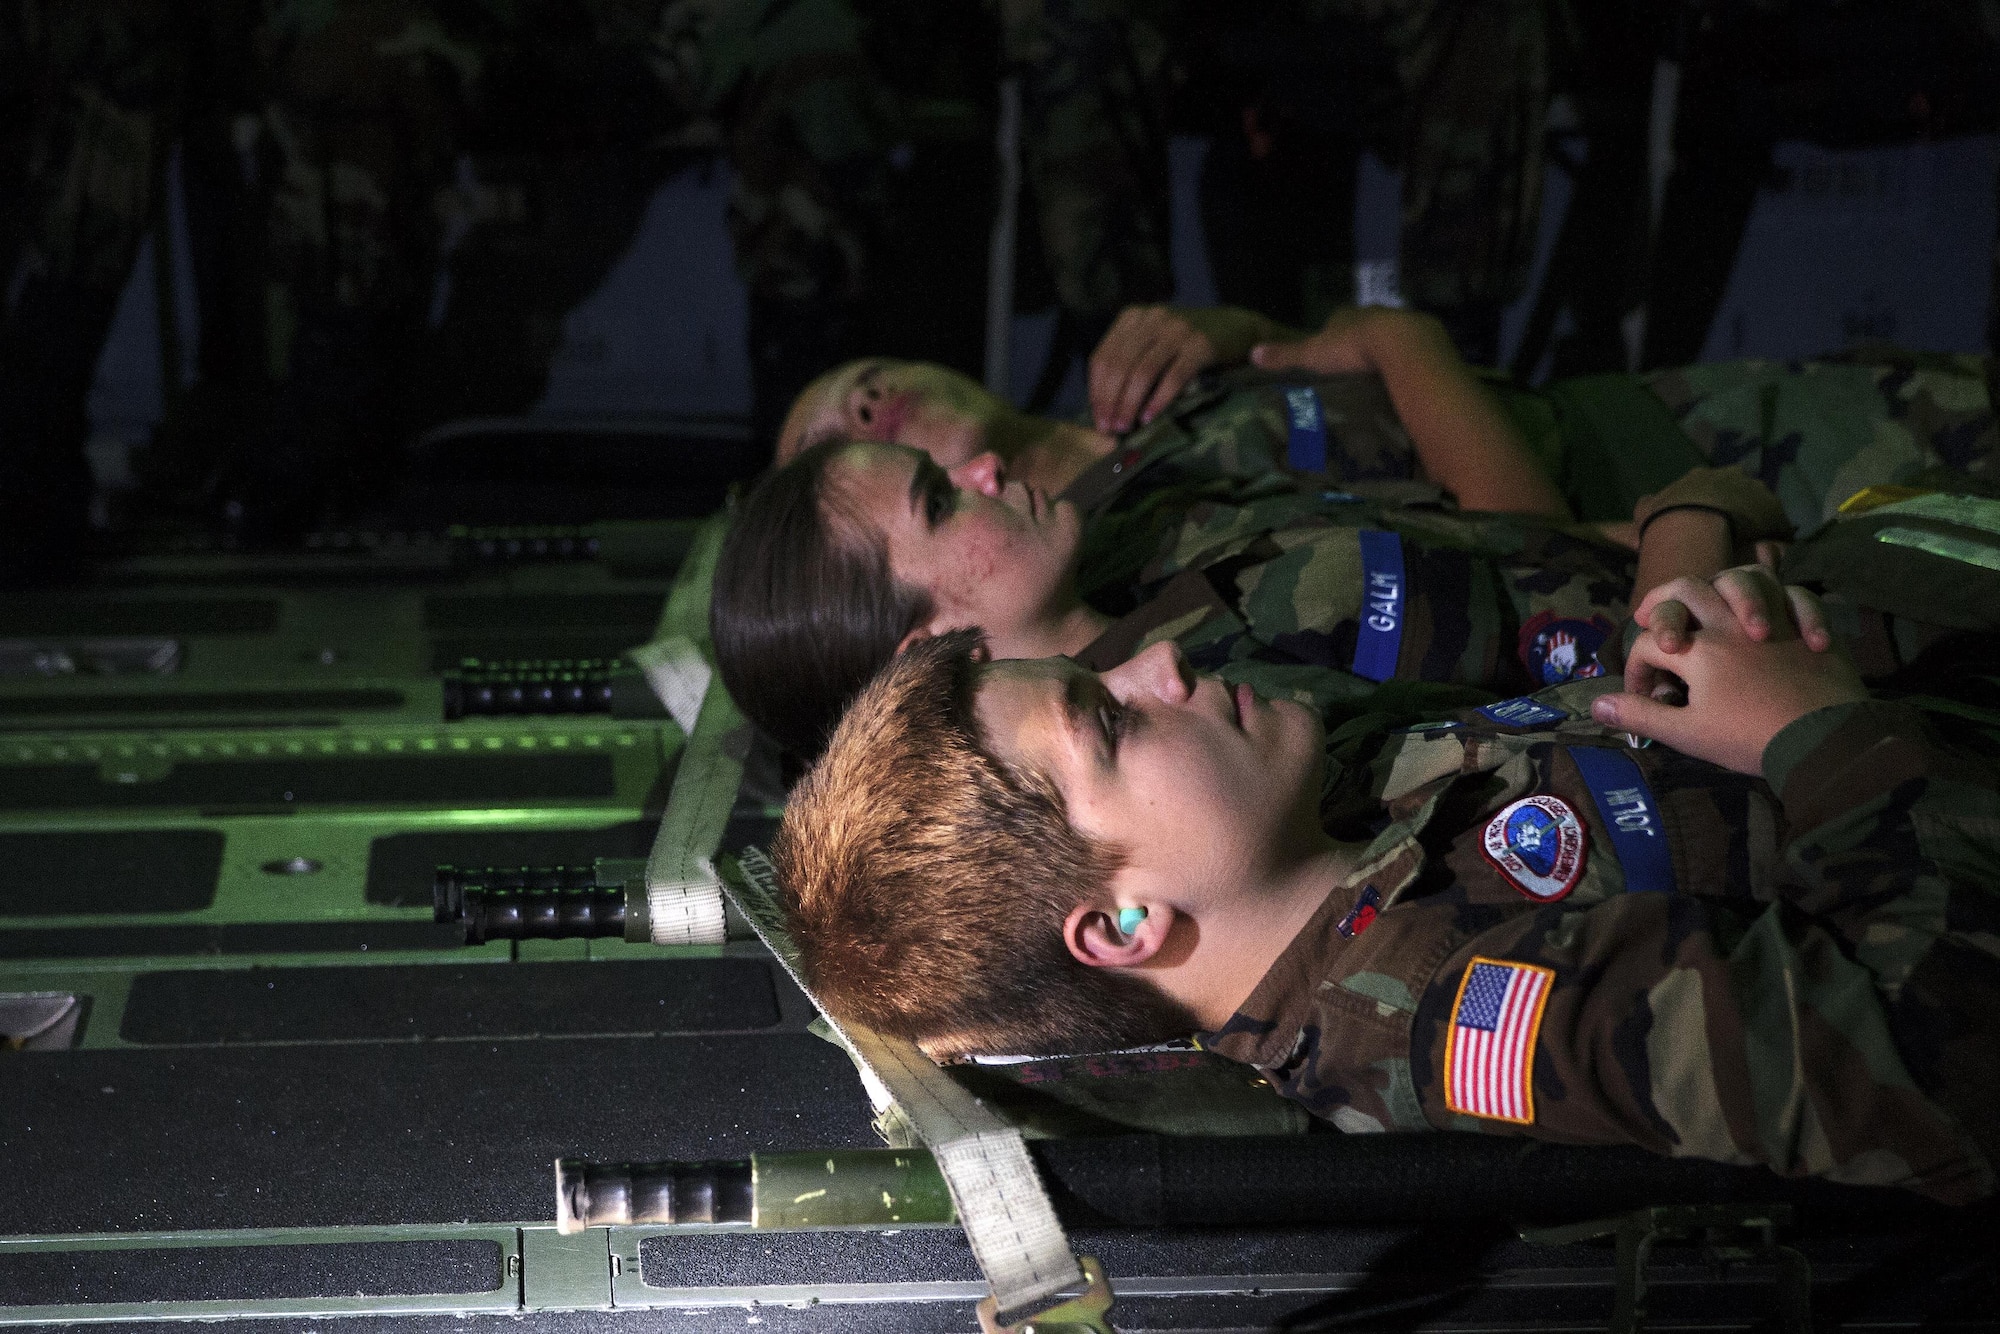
x,y
786,579
853,550
898,518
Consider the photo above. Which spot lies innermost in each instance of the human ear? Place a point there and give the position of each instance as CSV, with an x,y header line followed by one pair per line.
x,y
982,652
1092,936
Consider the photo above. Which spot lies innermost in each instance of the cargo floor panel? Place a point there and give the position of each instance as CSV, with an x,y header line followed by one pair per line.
x,y
108,871
1438,1277
251,1273
428,780
324,699
390,1002
97,614
1392,1256
371,1133
486,764
226,938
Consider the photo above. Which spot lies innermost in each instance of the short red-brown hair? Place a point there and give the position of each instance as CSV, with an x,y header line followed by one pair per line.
x,y
927,881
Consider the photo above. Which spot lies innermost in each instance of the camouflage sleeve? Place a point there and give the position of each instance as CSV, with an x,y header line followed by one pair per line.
x,y
1840,1021
1875,800
1815,432
1448,607
1096,79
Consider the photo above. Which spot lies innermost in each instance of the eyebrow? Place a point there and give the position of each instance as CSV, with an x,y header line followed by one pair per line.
x,y
925,475
1079,702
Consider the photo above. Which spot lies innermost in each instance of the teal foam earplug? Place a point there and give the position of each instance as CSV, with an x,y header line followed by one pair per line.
x,y
1129,919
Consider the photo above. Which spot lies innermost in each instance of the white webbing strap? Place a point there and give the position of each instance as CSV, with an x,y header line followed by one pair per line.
x,y
1002,1205
678,673
683,892
685,912
1008,1220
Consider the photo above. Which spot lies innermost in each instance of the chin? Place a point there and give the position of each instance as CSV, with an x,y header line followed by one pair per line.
x,y
1301,717
1302,743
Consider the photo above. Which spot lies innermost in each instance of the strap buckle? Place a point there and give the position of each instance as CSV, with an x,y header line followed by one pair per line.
x,y
1088,1313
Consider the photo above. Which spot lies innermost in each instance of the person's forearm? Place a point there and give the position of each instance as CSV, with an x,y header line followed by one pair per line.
x,y
1464,440
1259,328
1690,542
1622,531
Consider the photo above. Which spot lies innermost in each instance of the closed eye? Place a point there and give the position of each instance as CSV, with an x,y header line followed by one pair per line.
x,y
1114,720
936,493
1094,718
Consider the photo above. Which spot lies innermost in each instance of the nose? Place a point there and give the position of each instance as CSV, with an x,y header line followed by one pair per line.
x,y
862,402
1159,670
982,473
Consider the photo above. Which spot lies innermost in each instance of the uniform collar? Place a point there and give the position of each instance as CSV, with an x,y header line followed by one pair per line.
x,y
1285,994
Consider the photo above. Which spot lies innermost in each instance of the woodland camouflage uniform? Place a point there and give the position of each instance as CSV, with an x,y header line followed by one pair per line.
x,y
336,153
1474,79
804,100
91,91
1814,431
586,108
313,138
1470,92
1817,431
1798,970
1502,602
1510,603
1095,80
1227,439
1260,575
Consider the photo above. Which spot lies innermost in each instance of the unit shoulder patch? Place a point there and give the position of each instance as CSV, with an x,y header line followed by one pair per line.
x,y
1538,843
1556,649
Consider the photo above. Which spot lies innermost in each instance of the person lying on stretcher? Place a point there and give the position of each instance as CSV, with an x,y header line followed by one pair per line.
x,y
1769,940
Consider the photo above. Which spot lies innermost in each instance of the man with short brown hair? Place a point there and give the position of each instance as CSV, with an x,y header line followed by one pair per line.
x,y
891,848
1513,922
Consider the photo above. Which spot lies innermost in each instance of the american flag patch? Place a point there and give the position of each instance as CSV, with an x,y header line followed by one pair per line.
x,y
1489,1055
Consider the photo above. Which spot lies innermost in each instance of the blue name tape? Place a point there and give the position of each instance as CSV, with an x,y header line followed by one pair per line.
x,y
1631,814
1523,711
1305,430
1382,605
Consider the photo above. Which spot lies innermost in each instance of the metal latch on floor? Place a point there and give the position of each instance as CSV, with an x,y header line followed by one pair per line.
x,y
1728,1234
1089,1313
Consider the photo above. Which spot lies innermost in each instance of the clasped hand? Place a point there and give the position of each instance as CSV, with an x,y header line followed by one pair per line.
x,y
1749,656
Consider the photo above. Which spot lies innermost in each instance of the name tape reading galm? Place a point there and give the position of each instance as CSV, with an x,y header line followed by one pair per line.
x,y
1383,602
